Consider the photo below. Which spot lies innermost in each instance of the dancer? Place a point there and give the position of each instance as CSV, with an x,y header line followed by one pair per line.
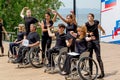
x,y
28,19
92,30
71,26
61,42
80,47
2,29
46,39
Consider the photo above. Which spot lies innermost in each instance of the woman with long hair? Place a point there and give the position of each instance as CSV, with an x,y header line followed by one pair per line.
x,y
20,36
80,47
46,39
71,26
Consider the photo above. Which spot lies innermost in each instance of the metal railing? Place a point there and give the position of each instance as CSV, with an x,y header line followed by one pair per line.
x,y
11,36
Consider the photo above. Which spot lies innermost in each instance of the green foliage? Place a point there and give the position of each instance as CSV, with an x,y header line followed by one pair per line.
x,y
10,10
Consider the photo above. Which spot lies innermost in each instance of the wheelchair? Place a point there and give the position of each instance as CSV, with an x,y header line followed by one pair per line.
x,y
31,56
35,57
56,58
10,55
80,67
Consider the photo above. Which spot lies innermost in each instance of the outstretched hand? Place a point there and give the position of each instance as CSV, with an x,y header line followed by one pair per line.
x,y
53,11
26,8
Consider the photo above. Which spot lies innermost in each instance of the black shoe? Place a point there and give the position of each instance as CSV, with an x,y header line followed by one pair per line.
x,y
101,76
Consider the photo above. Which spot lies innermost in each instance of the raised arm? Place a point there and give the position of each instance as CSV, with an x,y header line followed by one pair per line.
x,y
54,18
69,42
42,26
55,14
50,33
22,12
74,18
63,19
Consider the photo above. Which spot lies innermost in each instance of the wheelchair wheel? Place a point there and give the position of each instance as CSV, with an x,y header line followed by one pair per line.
x,y
61,60
35,59
83,69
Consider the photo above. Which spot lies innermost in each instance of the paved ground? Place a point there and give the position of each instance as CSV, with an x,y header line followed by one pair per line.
x,y
110,56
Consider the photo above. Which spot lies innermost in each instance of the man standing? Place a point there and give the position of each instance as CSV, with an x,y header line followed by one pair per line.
x,y
94,44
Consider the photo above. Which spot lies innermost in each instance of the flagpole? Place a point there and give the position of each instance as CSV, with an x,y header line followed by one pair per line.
x,y
74,6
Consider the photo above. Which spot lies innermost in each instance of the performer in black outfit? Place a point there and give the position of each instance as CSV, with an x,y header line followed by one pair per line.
x,y
46,39
61,42
80,47
92,30
71,26
34,41
28,19
2,29
17,42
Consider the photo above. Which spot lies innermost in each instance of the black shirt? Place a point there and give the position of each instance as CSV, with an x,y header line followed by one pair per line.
x,y
60,40
71,27
20,36
45,27
1,25
28,21
80,45
33,37
93,28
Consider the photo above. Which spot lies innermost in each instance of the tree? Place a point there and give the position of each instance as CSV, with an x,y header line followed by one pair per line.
x,y
10,10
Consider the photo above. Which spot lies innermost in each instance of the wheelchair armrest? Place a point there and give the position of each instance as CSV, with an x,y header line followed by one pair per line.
x,y
64,49
85,54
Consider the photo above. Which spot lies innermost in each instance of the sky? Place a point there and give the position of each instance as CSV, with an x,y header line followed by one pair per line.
x,y
82,4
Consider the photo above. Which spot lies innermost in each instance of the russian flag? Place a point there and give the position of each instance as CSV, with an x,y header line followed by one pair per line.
x,y
102,0
109,3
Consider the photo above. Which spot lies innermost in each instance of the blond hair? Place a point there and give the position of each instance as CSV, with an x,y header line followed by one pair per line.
x,y
82,29
22,27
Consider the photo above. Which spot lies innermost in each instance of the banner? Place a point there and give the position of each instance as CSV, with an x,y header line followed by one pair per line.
x,y
110,20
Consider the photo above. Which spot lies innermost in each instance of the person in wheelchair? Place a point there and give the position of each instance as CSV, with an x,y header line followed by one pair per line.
x,y
61,41
16,43
33,40
80,47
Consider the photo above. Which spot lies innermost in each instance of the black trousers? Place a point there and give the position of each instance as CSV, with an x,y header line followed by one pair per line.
x,y
21,53
67,64
49,54
1,45
95,45
46,42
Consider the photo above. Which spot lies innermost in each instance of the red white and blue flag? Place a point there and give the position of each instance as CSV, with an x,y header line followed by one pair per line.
x,y
108,4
